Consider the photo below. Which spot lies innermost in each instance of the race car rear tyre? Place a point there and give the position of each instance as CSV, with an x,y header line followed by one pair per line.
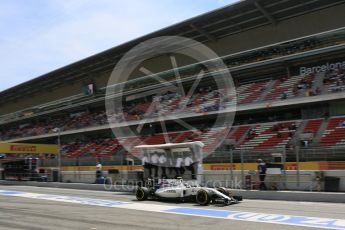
x,y
203,197
142,193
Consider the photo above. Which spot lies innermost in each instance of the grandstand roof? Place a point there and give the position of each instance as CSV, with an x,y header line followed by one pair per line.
x,y
232,19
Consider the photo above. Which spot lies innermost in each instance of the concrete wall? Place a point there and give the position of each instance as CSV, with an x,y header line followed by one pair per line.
x,y
306,182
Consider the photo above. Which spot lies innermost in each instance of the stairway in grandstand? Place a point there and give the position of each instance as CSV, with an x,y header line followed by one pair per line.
x,y
212,137
267,90
319,134
301,127
183,137
313,126
238,133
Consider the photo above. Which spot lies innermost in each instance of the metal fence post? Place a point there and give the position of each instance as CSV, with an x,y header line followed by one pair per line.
x,y
242,169
284,166
59,155
231,164
297,164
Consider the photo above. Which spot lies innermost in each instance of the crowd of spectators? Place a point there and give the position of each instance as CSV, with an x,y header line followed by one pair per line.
x,y
35,128
251,134
306,84
205,99
335,79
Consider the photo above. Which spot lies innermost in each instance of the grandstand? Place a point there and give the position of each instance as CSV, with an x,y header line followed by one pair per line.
x,y
287,59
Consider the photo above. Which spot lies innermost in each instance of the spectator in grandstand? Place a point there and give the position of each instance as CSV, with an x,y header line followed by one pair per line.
x,y
295,90
289,147
305,143
250,120
152,130
342,124
154,163
261,167
145,162
292,126
251,134
326,115
283,96
317,91
162,164
275,128
280,126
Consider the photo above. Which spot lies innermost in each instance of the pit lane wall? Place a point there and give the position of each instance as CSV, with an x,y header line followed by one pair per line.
x,y
232,175
306,181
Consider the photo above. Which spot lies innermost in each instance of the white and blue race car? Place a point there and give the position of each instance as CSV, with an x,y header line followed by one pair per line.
x,y
183,191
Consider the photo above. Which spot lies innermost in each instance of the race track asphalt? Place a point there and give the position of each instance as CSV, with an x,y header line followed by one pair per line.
x,y
39,214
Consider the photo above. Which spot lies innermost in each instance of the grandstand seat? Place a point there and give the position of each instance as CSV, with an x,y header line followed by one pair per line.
x,y
313,126
334,135
268,136
239,132
252,93
211,138
283,86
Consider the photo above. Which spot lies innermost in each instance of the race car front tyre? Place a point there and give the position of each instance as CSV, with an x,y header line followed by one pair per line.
x,y
142,193
203,197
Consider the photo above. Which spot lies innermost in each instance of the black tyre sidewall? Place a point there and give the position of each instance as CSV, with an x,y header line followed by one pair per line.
x,y
141,194
205,195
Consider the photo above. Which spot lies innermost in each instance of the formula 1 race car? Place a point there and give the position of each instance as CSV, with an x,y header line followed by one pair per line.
x,y
183,191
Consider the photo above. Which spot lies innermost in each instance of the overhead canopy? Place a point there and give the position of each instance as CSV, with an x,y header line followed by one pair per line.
x,y
172,145
22,148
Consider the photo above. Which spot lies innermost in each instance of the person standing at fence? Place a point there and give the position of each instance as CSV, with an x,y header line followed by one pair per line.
x,y
162,164
98,171
189,164
145,162
178,166
154,163
169,164
262,168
